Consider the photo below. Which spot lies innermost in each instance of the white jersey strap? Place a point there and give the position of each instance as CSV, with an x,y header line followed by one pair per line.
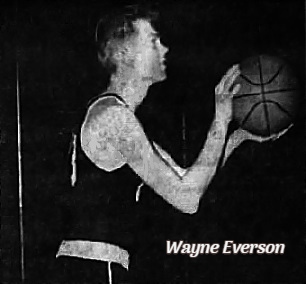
x,y
95,251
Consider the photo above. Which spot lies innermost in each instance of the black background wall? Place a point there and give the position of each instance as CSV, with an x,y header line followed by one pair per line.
x,y
258,197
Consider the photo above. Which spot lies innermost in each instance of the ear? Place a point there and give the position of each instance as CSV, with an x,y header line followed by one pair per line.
x,y
125,55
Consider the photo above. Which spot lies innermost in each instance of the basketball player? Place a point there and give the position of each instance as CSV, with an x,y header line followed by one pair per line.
x,y
112,140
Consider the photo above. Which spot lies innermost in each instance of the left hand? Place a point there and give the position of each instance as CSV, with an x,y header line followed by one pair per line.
x,y
240,135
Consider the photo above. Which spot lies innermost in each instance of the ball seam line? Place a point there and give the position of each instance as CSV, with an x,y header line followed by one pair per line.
x,y
263,97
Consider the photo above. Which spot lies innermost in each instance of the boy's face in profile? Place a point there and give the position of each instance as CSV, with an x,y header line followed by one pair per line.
x,y
149,52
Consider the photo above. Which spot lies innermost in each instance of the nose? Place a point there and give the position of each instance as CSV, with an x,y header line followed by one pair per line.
x,y
164,49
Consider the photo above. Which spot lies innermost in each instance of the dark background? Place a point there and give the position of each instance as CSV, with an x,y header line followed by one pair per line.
x,y
258,197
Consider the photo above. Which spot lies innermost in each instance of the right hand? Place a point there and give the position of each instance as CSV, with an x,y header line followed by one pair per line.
x,y
224,93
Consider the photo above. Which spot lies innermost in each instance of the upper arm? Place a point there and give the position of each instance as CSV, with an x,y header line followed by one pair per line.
x,y
124,132
131,141
95,137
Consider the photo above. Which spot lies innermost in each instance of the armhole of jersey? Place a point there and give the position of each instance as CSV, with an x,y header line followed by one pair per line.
x,y
105,96
97,102
75,142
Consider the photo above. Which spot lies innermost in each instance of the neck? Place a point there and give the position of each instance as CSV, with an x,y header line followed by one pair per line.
x,y
132,90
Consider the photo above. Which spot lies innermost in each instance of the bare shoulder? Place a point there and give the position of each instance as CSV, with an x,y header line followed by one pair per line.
x,y
112,119
101,107
99,132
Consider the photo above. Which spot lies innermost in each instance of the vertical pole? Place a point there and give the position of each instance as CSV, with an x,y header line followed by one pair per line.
x,y
110,278
20,195
73,160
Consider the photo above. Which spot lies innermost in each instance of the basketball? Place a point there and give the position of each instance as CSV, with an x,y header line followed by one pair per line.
x,y
268,98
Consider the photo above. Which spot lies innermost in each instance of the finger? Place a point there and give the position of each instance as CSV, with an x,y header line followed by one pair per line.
x,y
236,89
218,88
228,79
249,136
261,139
232,78
278,135
234,69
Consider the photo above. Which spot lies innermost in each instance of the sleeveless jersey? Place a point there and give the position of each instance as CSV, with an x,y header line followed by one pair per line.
x,y
102,205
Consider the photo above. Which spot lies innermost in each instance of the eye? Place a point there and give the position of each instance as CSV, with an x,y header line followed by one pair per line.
x,y
154,40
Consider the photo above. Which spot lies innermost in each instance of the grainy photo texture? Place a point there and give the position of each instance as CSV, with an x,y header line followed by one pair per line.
x,y
151,142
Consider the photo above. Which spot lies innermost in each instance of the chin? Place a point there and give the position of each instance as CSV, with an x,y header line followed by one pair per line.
x,y
161,76
164,76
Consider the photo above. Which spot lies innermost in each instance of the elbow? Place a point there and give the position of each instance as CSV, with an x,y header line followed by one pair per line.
x,y
191,209
188,203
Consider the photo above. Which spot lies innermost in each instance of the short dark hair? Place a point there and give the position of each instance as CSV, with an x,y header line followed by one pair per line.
x,y
119,25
